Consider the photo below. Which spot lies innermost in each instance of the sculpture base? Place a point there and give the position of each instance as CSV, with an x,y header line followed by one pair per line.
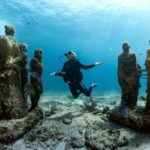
x,y
136,119
12,130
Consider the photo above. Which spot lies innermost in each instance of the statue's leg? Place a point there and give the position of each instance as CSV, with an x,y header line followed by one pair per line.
x,y
148,102
135,96
124,94
124,101
37,91
24,79
148,95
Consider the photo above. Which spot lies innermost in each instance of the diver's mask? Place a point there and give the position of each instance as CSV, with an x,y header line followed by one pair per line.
x,y
63,58
71,55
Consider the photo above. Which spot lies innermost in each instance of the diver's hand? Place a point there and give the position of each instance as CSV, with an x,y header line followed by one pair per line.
x,y
98,63
57,73
63,73
53,74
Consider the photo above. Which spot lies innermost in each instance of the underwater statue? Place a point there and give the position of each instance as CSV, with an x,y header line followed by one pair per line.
x,y
13,100
10,32
138,84
23,62
147,64
36,70
128,77
72,75
10,51
12,104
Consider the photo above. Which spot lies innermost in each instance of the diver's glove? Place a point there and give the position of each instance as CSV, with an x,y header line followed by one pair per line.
x,y
93,85
57,74
53,74
98,63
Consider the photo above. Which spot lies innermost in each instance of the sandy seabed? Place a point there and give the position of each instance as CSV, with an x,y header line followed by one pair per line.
x,y
69,124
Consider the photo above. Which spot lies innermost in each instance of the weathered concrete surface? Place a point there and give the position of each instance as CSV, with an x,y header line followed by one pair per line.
x,y
15,120
136,119
12,104
12,130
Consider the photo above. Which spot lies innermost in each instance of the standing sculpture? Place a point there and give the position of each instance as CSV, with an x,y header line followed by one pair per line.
x,y
12,104
147,64
13,99
128,77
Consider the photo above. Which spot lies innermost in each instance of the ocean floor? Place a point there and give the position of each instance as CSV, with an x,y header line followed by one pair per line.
x,y
79,125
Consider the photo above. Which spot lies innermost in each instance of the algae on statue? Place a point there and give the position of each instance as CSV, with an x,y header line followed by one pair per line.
x,y
147,63
12,104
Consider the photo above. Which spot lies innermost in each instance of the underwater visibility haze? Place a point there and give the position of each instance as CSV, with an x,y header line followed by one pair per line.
x,y
55,31
94,29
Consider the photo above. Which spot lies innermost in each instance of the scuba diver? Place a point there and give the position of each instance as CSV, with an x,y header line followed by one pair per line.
x,y
72,75
36,70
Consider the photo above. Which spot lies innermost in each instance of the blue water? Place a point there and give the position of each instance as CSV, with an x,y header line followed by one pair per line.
x,y
95,29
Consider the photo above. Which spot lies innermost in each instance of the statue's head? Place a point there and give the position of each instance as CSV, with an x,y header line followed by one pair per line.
x,y
9,30
23,47
38,53
126,47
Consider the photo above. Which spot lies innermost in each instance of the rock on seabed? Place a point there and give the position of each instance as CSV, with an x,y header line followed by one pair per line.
x,y
12,130
87,130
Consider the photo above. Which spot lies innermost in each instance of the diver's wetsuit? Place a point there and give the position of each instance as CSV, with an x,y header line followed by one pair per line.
x,y
36,82
73,77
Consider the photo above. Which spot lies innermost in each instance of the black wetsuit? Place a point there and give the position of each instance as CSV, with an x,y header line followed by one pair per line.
x,y
73,77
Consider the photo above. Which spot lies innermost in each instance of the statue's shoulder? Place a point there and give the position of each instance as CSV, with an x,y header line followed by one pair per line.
x,y
132,55
121,56
34,60
2,38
